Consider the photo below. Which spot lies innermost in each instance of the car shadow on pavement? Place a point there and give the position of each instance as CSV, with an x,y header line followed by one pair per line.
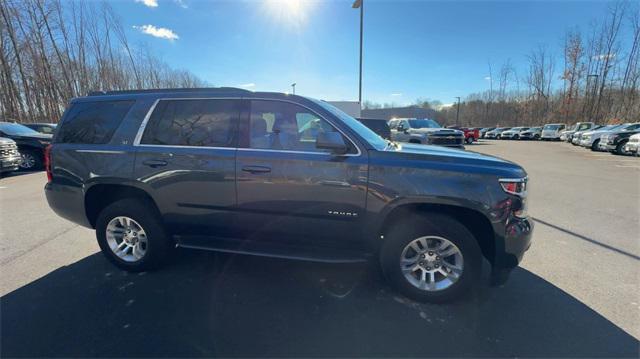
x,y
206,304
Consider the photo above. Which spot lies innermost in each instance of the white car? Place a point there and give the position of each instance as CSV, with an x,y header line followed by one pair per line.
x,y
633,145
552,131
512,134
591,139
579,126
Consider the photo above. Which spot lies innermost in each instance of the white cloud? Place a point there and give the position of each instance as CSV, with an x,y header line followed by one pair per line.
x,y
181,3
487,78
159,32
397,94
249,85
149,3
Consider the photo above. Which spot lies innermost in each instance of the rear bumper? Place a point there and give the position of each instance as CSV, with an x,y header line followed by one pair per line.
x,y
67,202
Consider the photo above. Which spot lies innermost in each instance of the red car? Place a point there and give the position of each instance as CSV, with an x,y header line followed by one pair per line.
x,y
470,134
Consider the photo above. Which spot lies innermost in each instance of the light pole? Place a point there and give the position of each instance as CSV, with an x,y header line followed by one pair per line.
x,y
457,110
293,88
593,94
360,4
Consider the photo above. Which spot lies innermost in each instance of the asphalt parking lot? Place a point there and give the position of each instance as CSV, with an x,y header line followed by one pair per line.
x,y
576,294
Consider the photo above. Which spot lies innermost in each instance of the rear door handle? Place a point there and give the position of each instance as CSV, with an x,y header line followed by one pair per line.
x,y
256,169
155,163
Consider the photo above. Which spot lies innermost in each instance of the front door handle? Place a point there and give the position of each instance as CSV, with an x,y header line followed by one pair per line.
x,y
256,169
155,163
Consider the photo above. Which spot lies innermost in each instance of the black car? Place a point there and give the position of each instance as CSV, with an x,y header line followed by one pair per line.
x,y
31,144
378,126
46,128
282,175
615,141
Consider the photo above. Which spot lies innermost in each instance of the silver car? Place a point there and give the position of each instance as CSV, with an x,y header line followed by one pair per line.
x,y
591,139
552,131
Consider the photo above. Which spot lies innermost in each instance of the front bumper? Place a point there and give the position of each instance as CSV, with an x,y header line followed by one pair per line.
x,y
8,164
631,147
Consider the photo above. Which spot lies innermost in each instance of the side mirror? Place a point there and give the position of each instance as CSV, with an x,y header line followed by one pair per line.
x,y
332,141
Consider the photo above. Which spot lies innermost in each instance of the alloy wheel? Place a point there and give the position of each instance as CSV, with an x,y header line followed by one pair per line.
x,y
431,263
127,239
27,161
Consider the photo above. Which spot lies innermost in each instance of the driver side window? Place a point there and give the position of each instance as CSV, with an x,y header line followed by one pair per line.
x,y
277,125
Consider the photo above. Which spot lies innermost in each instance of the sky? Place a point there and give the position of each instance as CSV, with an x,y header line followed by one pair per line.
x,y
412,49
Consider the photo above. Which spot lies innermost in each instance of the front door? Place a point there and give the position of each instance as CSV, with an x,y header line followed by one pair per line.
x,y
290,191
186,159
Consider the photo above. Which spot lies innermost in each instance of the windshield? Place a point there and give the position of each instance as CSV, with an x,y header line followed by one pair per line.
x,y
551,127
423,123
365,132
16,129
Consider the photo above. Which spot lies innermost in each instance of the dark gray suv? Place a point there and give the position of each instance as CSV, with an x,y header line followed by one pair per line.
x,y
284,176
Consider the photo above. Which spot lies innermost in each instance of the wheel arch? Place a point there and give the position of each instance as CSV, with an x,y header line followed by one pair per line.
x,y
474,220
100,195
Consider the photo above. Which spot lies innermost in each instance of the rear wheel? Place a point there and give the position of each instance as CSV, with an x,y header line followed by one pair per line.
x,y
431,258
131,235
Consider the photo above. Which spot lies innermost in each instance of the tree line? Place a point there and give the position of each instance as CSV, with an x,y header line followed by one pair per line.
x,y
52,51
598,71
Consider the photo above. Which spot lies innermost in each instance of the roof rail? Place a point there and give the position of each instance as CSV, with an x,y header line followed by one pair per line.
x,y
168,90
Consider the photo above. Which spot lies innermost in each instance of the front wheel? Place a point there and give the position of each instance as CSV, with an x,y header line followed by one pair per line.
x,y
595,145
131,235
30,160
620,148
431,258
469,140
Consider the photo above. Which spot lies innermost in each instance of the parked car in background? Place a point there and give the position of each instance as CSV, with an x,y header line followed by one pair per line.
x,y
424,131
470,134
379,126
532,133
614,141
576,137
591,139
31,144
552,131
580,126
484,131
236,171
633,144
9,155
47,128
512,134
493,134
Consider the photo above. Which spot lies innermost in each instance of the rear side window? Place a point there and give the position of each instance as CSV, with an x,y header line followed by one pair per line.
x,y
207,123
92,122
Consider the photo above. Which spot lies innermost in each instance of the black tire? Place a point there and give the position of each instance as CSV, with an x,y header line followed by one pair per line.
x,y
159,244
516,137
620,148
469,140
595,144
536,137
402,233
31,160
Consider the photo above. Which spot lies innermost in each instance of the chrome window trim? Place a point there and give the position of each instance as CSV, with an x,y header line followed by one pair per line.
x,y
143,125
102,151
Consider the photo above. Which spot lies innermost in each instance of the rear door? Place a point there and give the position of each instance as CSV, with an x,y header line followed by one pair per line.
x,y
186,159
290,191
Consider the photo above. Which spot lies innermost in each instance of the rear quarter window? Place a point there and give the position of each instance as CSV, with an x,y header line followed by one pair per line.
x,y
92,122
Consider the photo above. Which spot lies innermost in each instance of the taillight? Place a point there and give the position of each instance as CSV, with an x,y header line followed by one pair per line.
x,y
47,162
